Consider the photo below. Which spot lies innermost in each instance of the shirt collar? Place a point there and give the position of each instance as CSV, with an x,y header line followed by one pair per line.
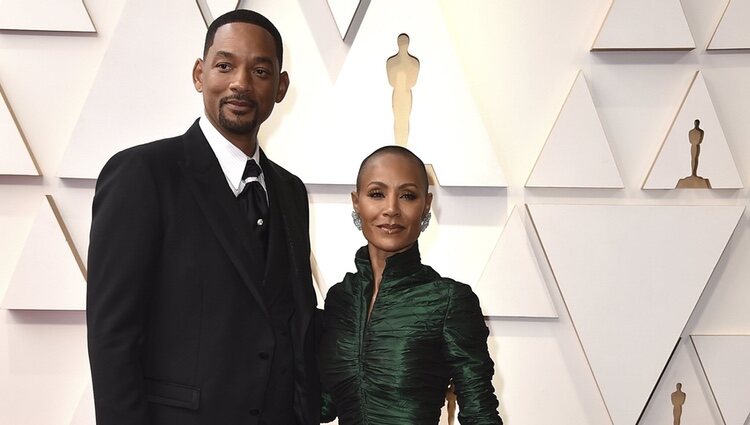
x,y
231,159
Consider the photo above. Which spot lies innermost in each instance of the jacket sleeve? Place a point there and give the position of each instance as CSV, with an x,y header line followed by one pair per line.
x,y
465,347
124,245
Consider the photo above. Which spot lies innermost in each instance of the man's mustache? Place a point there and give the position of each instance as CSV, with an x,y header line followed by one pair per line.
x,y
239,98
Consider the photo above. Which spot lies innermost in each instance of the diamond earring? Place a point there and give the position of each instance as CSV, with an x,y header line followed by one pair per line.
x,y
357,220
425,222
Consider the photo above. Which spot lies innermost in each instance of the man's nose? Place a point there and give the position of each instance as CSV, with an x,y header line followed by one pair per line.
x,y
242,80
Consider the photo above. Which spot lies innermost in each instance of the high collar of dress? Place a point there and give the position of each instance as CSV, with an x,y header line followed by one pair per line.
x,y
398,265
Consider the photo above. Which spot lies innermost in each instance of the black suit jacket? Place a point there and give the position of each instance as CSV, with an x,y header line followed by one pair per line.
x,y
178,330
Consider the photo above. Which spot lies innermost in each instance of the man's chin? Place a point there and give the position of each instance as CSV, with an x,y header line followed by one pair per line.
x,y
238,127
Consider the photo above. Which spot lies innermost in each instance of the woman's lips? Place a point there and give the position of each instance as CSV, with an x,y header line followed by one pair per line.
x,y
391,228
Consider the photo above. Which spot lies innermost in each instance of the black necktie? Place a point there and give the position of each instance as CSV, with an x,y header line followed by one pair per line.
x,y
253,197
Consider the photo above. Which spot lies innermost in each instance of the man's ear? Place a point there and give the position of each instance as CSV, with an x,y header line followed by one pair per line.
x,y
198,75
283,86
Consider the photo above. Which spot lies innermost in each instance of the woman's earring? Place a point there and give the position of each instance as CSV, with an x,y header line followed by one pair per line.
x,y
357,220
425,222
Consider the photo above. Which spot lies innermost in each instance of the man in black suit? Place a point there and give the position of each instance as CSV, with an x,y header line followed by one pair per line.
x,y
200,300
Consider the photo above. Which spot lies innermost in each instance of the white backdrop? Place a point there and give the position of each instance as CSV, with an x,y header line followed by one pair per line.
x,y
518,59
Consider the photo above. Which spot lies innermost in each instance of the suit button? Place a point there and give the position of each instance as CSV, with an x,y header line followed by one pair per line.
x,y
284,334
263,356
254,412
284,371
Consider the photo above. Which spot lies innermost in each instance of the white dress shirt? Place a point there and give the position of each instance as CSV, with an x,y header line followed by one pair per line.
x,y
231,159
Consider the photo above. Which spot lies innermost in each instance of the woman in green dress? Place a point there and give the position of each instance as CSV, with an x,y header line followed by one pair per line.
x,y
395,332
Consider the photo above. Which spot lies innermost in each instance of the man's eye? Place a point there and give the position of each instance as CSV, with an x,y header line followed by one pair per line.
x,y
262,72
223,66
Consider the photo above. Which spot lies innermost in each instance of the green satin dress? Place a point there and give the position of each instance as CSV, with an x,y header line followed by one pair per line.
x,y
394,369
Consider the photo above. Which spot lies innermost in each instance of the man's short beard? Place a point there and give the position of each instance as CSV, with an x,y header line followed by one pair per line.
x,y
236,127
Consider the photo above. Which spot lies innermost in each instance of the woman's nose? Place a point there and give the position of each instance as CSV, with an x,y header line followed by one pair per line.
x,y
392,207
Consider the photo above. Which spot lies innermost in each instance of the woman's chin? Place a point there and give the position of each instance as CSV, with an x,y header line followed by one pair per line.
x,y
388,249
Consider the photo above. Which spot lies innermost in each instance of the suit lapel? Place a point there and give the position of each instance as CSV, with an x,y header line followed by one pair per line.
x,y
281,190
208,184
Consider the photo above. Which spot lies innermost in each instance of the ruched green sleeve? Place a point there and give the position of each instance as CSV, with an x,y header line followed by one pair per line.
x,y
465,336
327,408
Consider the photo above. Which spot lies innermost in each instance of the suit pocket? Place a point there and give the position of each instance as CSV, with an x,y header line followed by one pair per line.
x,y
170,394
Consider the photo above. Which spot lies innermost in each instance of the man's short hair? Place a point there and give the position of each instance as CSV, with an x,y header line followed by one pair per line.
x,y
248,17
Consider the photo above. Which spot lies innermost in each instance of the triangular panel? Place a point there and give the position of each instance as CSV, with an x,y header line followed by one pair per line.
x,y
15,155
45,15
537,380
576,153
726,362
512,283
630,277
85,414
334,252
444,128
50,274
143,90
674,161
645,25
733,31
318,281
343,13
212,9
697,408
450,229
